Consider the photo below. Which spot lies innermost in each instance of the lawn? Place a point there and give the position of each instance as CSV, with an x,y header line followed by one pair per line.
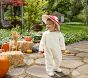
x,y
74,32
73,28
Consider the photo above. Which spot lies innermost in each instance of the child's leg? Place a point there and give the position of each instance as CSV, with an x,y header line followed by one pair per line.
x,y
49,65
57,63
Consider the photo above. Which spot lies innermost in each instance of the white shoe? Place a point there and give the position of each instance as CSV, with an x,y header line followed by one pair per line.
x,y
58,70
51,74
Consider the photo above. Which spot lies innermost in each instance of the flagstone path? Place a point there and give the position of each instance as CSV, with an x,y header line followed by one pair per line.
x,y
76,65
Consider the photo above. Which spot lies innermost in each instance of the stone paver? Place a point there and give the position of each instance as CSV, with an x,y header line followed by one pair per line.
x,y
83,69
86,60
82,76
29,61
82,54
75,73
76,66
81,46
16,71
37,70
66,71
71,58
71,63
40,61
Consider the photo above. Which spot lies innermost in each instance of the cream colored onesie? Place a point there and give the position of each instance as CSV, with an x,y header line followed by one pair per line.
x,y
52,43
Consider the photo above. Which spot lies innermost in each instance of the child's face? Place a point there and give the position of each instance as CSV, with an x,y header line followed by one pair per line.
x,y
50,25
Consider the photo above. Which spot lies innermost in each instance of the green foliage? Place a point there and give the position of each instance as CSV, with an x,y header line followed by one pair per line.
x,y
33,12
50,6
85,2
72,9
75,37
81,16
73,32
63,6
76,7
4,35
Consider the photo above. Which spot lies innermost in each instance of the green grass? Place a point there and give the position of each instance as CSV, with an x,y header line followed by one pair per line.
x,y
75,28
74,32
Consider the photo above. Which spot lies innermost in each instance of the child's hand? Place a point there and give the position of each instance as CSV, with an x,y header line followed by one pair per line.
x,y
41,54
63,51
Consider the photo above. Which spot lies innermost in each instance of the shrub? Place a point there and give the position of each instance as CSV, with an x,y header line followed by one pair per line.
x,y
75,37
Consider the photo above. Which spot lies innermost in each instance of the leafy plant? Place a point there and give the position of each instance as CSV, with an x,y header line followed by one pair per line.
x,y
33,12
75,37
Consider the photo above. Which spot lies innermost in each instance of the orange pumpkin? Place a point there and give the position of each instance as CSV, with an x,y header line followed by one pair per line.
x,y
4,66
5,46
27,38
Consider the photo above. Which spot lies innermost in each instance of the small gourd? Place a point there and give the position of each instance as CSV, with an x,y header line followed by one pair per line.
x,y
5,46
28,51
27,38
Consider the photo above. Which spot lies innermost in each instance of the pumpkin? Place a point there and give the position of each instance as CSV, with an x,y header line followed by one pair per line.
x,y
5,46
4,66
27,38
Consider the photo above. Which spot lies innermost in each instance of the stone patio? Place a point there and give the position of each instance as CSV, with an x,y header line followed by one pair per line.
x,y
76,66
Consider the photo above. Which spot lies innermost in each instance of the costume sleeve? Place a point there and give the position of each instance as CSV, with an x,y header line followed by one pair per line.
x,y
62,42
42,42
